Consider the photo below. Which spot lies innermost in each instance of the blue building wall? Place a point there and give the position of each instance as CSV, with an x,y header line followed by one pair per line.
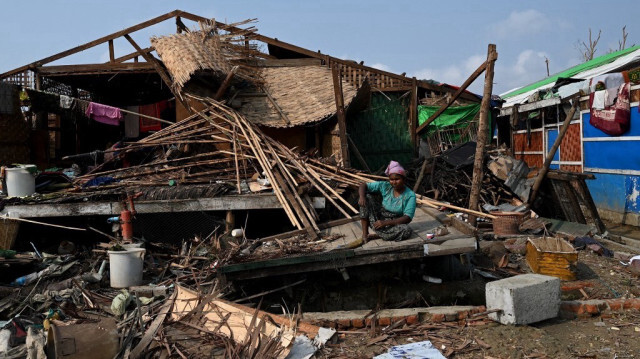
x,y
618,192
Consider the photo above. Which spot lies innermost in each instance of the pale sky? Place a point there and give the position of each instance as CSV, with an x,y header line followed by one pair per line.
x,y
439,40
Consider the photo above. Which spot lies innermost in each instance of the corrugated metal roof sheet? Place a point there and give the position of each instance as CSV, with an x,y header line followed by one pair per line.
x,y
597,62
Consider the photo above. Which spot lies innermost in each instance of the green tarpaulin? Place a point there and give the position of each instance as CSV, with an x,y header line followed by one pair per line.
x,y
457,116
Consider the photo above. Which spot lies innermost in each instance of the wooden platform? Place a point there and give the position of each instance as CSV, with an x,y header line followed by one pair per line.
x,y
221,203
375,251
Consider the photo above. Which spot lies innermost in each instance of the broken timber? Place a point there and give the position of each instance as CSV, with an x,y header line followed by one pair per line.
x,y
483,130
374,251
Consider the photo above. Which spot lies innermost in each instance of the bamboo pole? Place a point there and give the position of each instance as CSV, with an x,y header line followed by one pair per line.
x,y
6,217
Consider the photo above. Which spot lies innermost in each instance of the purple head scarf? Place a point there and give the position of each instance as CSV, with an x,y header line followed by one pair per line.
x,y
394,168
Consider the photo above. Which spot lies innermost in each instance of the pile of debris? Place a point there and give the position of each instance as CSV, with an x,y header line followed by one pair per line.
x,y
74,302
220,143
447,177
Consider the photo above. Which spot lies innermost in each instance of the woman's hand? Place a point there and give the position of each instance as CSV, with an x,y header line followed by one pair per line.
x,y
362,202
379,224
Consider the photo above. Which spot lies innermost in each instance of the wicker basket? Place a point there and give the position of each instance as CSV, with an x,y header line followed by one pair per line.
x,y
507,222
8,233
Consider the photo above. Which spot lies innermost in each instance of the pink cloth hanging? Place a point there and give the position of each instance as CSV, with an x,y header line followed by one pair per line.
x,y
104,114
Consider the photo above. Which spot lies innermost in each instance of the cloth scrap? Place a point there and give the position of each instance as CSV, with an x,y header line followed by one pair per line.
x,y
599,100
98,181
587,242
424,350
104,114
66,101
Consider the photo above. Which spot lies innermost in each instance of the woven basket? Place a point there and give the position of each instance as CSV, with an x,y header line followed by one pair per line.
x,y
507,222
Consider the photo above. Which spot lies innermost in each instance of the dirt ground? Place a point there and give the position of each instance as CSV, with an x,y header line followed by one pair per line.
x,y
615,337
611,335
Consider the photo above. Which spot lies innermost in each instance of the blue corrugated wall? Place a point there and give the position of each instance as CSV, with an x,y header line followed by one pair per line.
x,y
612,191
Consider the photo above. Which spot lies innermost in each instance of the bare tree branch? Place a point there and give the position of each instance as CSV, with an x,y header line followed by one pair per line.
x,y
588,51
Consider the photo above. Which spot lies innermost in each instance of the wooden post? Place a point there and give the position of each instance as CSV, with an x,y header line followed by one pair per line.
x,y
342,121
483,130
457,94
413,114
552,152
421,175
230,221
111,51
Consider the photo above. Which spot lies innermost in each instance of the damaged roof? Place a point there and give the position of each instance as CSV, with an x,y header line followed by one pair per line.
x,y
304,95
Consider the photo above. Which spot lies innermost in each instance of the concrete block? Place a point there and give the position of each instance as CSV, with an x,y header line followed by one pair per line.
x,y
524,299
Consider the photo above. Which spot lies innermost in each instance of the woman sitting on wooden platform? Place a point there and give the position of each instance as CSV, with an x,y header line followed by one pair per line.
x,y
389,217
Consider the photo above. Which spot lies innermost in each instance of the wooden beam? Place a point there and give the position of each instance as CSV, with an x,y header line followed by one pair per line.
x,y
222,203
290,62
91,44
111,51
552,152
284,116
225,84
342,120
455,96
180,26
134,55
356,151
483,129
85,69
569,176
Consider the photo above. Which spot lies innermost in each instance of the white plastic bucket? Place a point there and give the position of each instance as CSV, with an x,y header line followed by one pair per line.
x,y
125,267
21,181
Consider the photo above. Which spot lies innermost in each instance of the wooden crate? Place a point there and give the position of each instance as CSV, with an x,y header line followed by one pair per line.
x,y
552,256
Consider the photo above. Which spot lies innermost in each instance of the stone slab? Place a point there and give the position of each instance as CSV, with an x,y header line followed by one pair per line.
x,y
524,299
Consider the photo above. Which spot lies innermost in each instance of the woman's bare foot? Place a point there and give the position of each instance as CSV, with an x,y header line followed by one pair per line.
x,y
372,236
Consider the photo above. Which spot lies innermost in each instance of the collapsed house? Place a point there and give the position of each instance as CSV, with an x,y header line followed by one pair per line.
x,y
531,119
236,169
171,144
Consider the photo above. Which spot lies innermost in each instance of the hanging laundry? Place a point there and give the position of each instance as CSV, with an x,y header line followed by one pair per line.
x,y
609,83
66,101
104,114
598,100
613,120
153,110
